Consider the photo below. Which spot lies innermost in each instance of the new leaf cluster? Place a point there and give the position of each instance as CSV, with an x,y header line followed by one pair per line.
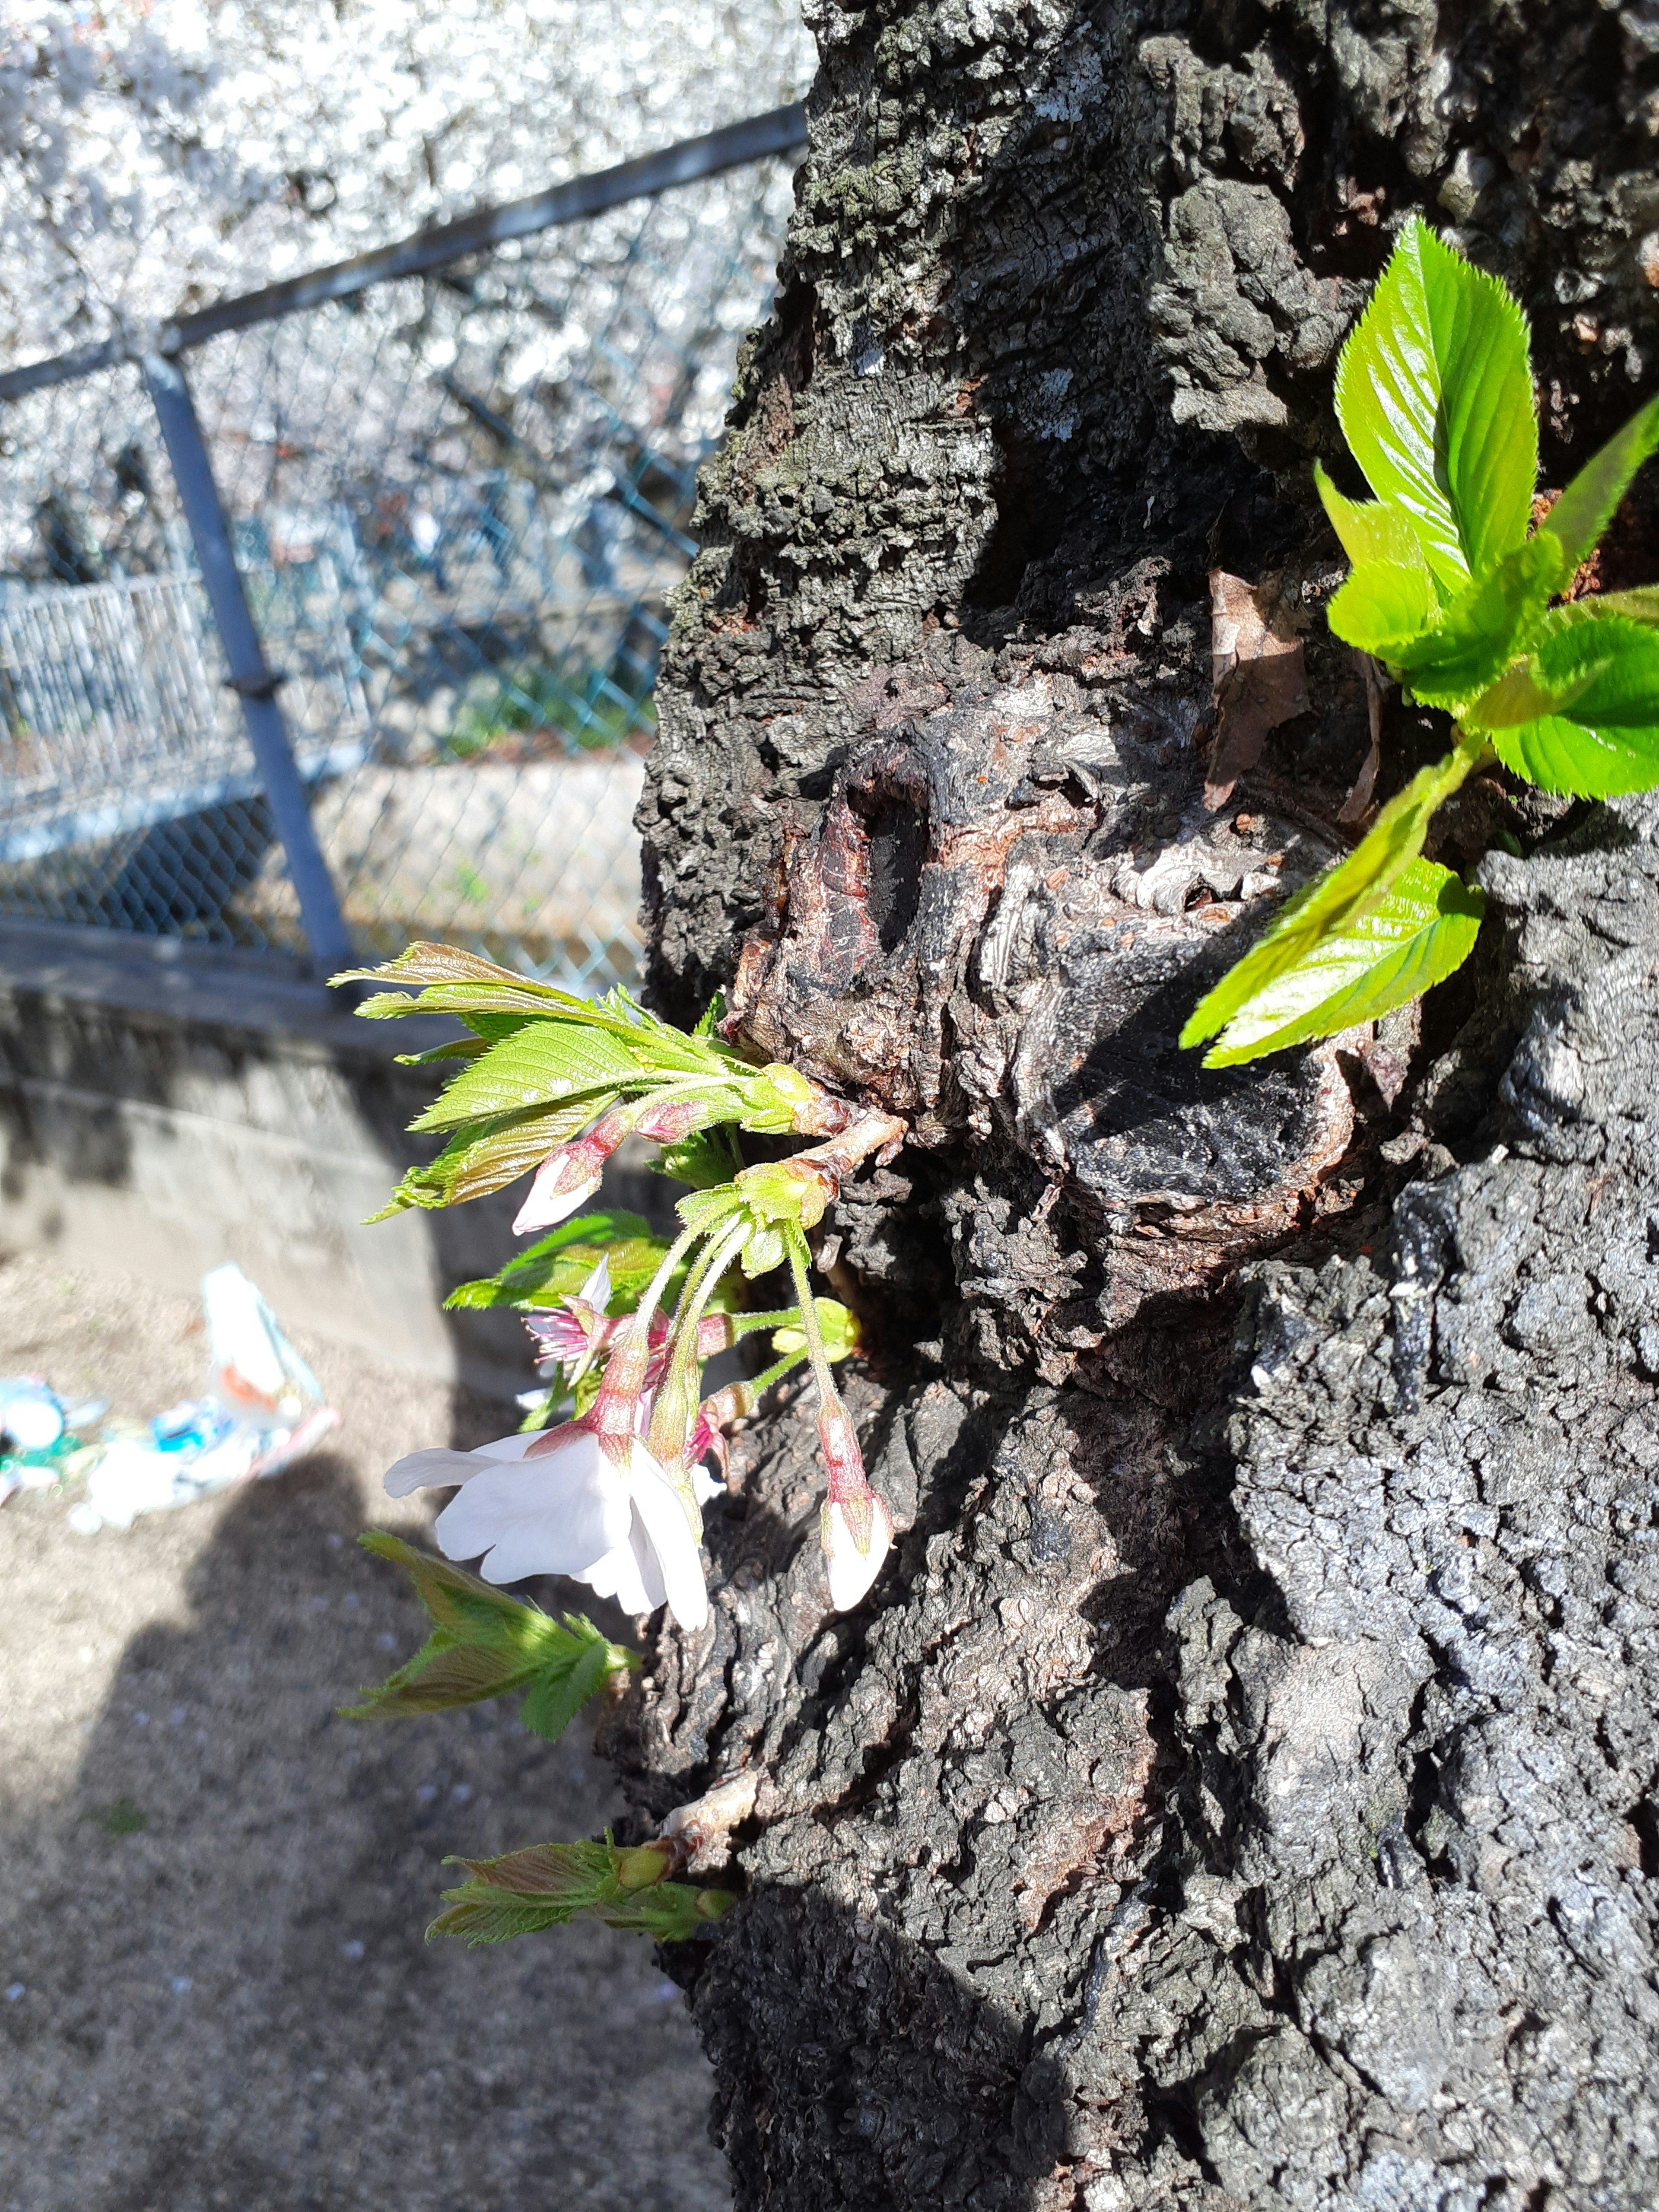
x,y
1461,601
540,1066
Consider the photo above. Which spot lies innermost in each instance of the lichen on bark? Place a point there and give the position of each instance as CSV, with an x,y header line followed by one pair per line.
x,y
1241,1788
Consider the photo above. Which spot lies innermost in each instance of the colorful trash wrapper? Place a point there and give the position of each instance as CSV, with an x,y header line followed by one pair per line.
x,y
43,1439
263,1412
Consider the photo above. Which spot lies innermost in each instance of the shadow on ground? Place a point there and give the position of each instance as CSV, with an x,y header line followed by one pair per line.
x,y
217,1989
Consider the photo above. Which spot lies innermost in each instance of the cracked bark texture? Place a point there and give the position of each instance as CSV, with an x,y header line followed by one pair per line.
x,y
1242,1787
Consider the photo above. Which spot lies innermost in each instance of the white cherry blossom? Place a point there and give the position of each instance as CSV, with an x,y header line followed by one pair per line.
x,y
153,157
568,1509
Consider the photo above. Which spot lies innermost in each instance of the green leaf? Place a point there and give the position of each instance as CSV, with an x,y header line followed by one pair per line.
x,y
540,1063
441,1677
557,1264
485,1644
762,1250
1586,505
1330,905
467,1609
1423,929
467,1047
1383,607
1483,628
1370,529
673,1912
1434,392
123,1818
711,1017
1583,716
557,1695
486,1156
487,1030
511,999
422,963
705,1210
704,1159
1640,605
549,1885
481,1915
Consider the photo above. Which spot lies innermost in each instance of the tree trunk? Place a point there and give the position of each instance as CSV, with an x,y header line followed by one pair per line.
x,y
1240,1788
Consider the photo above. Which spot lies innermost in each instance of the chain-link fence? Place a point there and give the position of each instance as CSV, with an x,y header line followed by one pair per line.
x,y
459,502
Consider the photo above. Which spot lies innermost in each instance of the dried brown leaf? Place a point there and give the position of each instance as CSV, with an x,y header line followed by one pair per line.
x,y
1258,674
1359,799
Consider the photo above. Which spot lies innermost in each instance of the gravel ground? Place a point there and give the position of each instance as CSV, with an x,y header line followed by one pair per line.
x,y
232,2004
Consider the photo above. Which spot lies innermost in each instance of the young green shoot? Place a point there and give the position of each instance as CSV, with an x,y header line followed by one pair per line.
x,y
1454,594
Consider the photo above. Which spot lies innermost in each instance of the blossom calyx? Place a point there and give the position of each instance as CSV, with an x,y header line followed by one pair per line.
x,y
798,1190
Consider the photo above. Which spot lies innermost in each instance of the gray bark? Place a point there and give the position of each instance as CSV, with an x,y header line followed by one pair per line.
x,y
1241,1788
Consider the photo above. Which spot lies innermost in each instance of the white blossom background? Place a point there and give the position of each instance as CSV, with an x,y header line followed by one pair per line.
x,y
156,154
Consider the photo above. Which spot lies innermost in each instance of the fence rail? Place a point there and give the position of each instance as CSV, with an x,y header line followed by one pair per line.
x,y
435,502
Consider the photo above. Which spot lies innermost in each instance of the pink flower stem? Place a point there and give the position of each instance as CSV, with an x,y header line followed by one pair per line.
x,y
795,1245
675,1411
626,1372
848,1486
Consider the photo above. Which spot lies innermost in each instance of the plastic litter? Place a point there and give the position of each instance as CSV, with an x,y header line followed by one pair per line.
x,y
263,1412
31,1412
42,1440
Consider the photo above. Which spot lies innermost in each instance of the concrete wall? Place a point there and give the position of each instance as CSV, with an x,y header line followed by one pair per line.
x,y
164,1108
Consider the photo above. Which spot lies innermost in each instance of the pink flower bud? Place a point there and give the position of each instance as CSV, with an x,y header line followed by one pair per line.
x,y
667,1122
565,1181
715,1333
857,1535
569,1177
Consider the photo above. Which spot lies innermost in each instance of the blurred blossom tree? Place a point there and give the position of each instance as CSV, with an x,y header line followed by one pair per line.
x,y
154,157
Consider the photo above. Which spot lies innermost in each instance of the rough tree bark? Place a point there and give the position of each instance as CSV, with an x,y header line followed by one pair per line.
x,y
1243,1787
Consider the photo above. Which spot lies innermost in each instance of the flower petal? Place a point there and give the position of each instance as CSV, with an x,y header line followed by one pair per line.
x,y
438,1468
703,1485
668,1531
617,1575
552,1517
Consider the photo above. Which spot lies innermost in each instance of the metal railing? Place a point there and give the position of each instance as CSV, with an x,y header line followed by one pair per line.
x,y
348,633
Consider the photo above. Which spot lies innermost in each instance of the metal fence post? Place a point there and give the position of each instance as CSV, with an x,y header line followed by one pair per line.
x,y
252,679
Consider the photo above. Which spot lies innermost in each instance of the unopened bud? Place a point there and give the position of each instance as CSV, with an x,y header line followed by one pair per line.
x,y
666,1123
569,1177
672,1414
644,1865
716,1332
714,1904
564,1184
837,1327
853,1554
